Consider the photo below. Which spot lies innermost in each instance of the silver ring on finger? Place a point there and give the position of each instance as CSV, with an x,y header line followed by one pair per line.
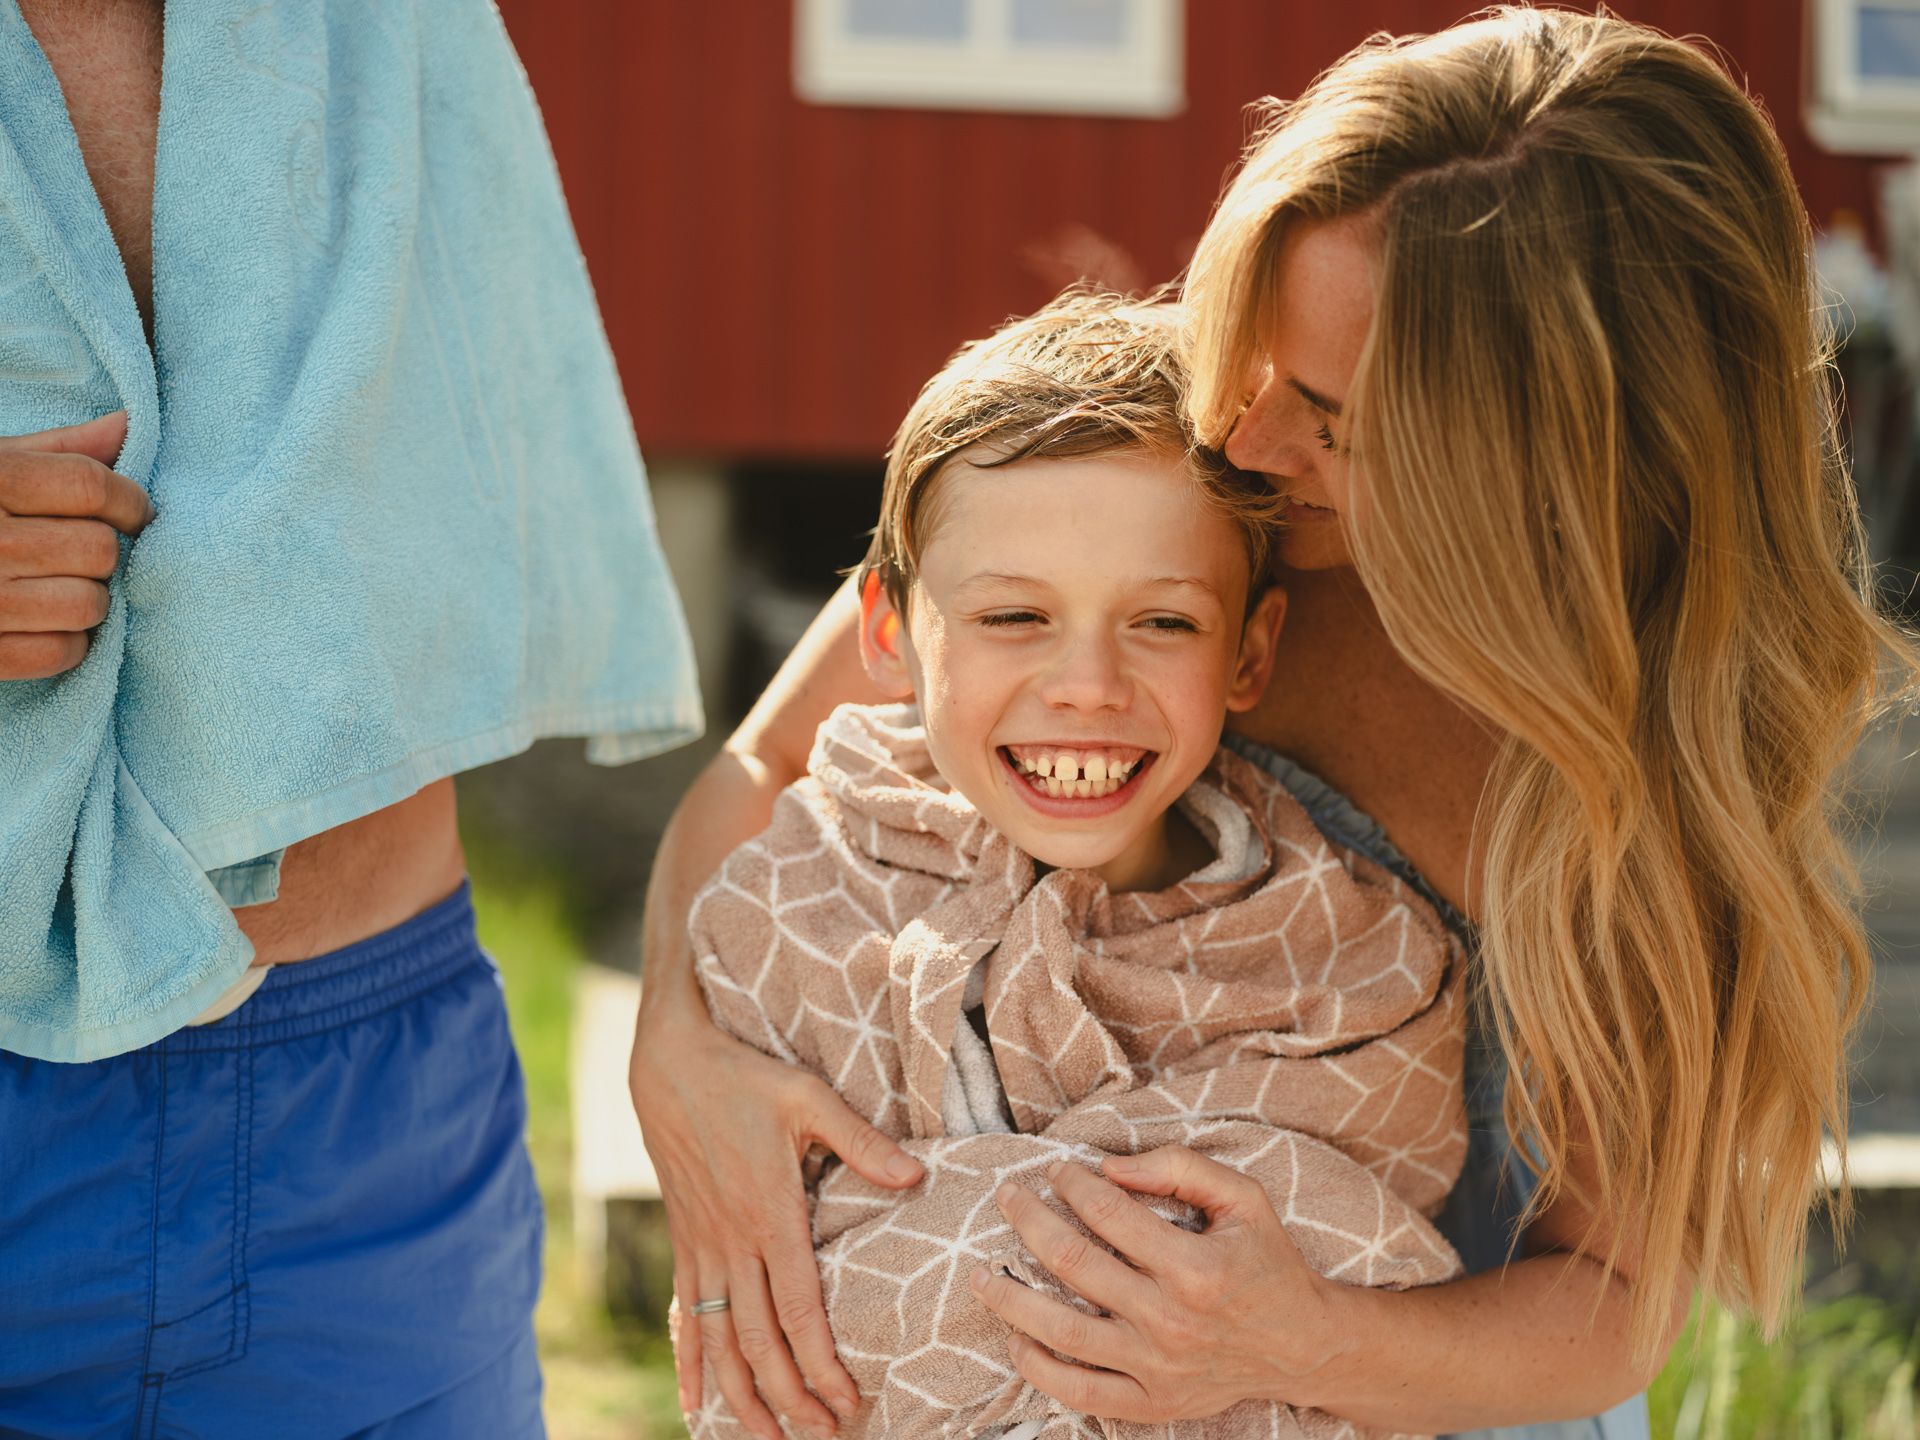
x,y
709,1307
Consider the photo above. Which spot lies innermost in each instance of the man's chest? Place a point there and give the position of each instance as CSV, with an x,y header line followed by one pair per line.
x,y
106,55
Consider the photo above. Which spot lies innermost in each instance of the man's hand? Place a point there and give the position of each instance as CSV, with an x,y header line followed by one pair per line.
x,y
60,507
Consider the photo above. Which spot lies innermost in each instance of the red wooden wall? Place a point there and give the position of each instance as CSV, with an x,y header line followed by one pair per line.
x,y
779,278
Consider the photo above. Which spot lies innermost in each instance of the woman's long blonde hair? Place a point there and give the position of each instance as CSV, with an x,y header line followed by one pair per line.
x,y
1605,507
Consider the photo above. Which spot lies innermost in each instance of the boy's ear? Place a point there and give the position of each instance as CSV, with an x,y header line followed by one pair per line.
x,y
882,641
1258,636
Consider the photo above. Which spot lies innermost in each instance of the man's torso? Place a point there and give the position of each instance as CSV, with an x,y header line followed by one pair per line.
x,y
370,874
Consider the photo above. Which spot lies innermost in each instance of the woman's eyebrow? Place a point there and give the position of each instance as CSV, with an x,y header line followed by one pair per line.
x,y
1314,397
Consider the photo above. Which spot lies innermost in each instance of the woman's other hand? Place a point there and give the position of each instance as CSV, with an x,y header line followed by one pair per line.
x,y
1195,1323
1198,1322
726,1127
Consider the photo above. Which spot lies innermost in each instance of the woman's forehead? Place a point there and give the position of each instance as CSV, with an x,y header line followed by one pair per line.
x,y
1320,305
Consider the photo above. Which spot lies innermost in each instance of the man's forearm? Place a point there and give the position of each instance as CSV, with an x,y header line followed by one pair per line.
x,y
1545,1338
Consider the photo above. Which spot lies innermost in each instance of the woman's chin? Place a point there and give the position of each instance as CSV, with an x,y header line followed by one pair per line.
x,y
1313,547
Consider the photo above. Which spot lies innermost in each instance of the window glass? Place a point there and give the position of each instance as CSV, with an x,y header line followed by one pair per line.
x,y
1889,43
907,19
1088,24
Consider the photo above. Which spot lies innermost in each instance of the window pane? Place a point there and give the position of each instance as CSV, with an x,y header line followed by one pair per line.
x,y
1889,43
908,19
1083,24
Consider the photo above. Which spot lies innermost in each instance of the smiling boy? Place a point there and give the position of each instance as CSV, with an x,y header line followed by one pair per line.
x,y
1039,917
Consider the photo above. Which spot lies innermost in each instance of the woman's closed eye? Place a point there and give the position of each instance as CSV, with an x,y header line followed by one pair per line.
x,y
1325,436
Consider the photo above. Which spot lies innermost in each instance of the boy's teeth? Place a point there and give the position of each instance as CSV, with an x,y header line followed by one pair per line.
x,y
1073,769
1053,785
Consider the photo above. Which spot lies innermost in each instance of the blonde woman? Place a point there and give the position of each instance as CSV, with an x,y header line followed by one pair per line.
x,y
1520,317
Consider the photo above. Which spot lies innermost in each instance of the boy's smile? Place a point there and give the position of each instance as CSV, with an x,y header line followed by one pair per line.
x,y
1075,640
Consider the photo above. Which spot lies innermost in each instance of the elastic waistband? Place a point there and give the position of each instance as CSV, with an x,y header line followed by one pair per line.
x,y
305,997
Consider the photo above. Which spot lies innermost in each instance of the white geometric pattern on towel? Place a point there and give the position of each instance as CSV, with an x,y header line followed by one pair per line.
x,y
1300,1020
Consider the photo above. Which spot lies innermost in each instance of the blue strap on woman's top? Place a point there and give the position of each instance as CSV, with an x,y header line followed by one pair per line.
x,y
1485,1205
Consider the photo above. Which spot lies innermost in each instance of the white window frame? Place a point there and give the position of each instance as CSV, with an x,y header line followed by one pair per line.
x,y
1846,112
987,71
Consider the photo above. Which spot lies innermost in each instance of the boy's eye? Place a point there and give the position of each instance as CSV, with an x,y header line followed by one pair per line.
x,y
1010,617
1168,622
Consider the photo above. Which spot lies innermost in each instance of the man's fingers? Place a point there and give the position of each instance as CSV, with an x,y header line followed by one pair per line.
x,y
71,485
757,1332
52,603
38,656
793,1276
100,438
867,1152
31,547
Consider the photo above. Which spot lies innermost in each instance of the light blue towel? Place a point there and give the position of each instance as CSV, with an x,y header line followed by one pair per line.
x,y
402,525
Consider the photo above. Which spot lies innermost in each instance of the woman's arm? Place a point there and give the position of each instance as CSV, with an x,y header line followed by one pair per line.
x,y
718,1117
1544,1339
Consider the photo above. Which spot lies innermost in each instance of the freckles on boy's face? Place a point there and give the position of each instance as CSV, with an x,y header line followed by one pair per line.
x,y
1073,639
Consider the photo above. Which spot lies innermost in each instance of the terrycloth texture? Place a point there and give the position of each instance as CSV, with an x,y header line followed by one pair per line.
x,y
402,527
1291,1010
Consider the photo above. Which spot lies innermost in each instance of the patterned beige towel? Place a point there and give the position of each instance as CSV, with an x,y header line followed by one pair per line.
x,y
1291,1010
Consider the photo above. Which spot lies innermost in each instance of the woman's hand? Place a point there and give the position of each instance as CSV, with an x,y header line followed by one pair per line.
x,y
1195,1323
726,1127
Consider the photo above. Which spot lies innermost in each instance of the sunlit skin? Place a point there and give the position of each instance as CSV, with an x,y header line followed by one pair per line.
x,y
1194,1321
1292,429
1088,603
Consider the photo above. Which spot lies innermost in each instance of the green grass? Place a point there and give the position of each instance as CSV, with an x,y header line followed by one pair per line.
x,y
604,1381
1845,1370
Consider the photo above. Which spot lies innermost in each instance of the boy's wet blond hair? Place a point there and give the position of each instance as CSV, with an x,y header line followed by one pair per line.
x,y
1090,374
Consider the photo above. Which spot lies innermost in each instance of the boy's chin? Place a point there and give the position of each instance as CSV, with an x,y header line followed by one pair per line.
x,y
1058,854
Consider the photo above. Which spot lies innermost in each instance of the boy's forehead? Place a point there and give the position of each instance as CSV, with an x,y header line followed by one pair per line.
x,y
1130,515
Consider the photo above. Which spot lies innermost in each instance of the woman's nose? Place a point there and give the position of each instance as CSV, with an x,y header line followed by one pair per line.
x,y
1090,674
1257,442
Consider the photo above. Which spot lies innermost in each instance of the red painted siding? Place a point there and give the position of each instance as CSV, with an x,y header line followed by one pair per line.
x,y
779,278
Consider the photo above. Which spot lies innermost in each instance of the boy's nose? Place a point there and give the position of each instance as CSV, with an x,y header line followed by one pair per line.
x,y
1089,675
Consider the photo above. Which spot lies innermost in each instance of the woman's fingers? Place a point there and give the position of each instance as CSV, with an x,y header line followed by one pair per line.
x,y
793,1276
864,1150
1092,1338
1117,1218
1092,1392
1224,1195
722,1350
757,1332
686,1328
1071,1257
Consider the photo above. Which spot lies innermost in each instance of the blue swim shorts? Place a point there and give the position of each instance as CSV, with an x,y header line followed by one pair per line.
x,y
313,1218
